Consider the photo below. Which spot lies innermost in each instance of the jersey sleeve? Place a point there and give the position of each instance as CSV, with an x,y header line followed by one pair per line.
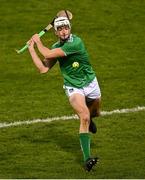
x,y
72,47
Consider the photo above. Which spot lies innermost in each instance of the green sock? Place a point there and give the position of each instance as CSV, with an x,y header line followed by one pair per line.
x,y
85,145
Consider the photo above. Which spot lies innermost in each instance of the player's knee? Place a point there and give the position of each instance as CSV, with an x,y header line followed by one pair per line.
x,y
85,118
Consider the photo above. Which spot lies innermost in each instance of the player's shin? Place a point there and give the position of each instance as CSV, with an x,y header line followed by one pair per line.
x,y
85,144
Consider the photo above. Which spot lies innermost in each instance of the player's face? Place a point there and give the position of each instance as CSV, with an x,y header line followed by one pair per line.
x,y
63,32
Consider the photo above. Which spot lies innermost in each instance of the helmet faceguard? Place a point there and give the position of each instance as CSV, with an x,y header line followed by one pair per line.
x,y
61,21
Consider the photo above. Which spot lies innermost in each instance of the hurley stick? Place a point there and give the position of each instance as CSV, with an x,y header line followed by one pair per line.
x,y
62,13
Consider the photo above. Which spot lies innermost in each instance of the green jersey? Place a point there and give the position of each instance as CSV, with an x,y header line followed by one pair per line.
x,y
75,66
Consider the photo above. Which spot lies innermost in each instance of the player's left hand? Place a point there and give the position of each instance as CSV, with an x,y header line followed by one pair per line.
x,y
36,38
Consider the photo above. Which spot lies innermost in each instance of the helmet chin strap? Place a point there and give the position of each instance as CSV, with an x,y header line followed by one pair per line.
x,y
65,39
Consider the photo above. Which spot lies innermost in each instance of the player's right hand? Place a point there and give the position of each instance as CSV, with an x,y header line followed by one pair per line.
x,y
30,43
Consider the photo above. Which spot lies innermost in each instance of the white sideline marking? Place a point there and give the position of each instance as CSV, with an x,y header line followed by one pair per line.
x,y
103,113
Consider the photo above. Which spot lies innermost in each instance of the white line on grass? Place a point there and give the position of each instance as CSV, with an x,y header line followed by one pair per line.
x,y
103,113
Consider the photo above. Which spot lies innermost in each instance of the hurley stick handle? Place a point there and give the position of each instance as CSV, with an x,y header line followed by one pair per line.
x,y
26,46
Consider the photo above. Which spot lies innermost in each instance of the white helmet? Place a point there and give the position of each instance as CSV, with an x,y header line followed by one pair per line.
x,y
61,21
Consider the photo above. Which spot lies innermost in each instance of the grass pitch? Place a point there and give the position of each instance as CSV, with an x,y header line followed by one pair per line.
x,y
113,32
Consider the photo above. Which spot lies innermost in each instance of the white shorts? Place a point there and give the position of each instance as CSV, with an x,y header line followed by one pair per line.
x,y
91,91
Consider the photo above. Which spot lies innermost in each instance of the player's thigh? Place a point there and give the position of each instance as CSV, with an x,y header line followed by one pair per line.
x,y
78,103
95,106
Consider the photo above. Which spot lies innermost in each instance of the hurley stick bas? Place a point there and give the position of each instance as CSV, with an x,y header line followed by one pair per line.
x,y
62,13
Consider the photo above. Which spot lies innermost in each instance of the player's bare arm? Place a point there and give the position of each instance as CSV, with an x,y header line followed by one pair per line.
x,y
46,52
36,60
49,62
